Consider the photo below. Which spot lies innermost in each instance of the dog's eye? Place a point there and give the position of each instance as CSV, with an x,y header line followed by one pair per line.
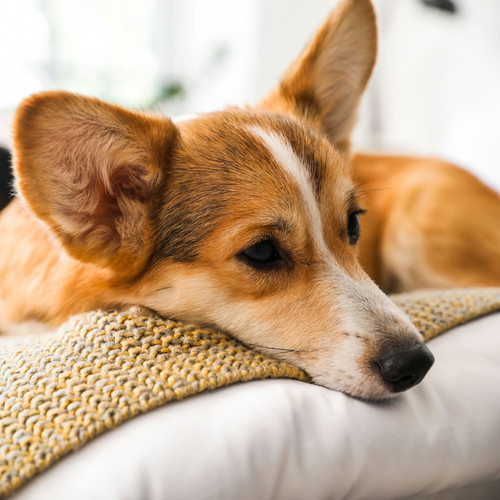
x,y
261,255
353,227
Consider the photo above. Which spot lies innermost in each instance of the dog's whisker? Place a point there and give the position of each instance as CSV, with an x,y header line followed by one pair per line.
x,y
163,288
283,349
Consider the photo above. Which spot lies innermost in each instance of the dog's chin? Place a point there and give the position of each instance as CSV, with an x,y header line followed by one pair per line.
x,y
368,391
391,398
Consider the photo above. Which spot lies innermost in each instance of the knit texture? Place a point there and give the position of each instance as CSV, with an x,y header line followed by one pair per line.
x,y
101,369
435,311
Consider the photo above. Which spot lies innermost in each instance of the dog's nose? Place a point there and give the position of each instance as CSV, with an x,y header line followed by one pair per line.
x,y
403,369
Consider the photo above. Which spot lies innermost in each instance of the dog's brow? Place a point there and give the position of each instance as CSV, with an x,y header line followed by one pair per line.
x,y
286,158
352,199
281,225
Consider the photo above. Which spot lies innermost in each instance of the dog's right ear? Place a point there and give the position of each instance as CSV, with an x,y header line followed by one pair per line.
x,y
324,85
90,171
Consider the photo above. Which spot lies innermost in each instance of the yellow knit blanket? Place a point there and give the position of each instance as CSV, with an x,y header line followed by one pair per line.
x,y
101,369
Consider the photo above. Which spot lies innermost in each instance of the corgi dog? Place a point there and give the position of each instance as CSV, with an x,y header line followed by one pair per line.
x,y
247,220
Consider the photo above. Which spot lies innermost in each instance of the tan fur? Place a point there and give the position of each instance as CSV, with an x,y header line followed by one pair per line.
x,y
101,166
429,224
120,209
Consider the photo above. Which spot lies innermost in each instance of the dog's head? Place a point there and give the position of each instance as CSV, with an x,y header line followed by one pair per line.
x,y
246,220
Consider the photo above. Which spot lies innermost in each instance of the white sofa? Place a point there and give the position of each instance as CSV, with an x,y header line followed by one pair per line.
x,y
283,439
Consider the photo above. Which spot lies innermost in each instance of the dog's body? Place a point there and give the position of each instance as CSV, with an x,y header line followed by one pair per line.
x,y
246,220
429,224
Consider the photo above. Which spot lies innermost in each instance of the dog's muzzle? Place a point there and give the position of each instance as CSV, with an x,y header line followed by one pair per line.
x,y
402,369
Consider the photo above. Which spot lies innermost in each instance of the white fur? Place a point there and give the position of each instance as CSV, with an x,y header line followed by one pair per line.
x,y
357,313
363,309
184,118
286,158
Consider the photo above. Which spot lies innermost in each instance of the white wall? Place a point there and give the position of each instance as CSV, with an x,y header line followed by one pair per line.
x,y
263,36
200,28
284,28
436,89
438,82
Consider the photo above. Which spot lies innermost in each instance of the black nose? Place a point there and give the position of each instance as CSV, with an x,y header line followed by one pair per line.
x,y
403,369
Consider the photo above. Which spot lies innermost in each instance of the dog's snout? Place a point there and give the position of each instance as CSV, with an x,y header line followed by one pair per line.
x,y
403,369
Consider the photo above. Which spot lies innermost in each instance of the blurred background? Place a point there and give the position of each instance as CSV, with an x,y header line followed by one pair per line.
x,y
436,89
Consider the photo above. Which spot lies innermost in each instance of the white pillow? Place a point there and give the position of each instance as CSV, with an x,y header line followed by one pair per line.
x,y
284,439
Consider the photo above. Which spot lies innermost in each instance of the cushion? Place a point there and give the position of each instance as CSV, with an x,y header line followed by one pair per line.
x,y
283,439
292,408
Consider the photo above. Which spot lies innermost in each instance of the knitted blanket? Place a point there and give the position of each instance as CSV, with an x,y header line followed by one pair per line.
x,y
101,369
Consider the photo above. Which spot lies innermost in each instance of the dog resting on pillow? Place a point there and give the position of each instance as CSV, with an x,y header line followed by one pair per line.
x,y
247,220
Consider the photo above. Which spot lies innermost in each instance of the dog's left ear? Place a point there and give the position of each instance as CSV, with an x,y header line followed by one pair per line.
x,y
92,171
324,85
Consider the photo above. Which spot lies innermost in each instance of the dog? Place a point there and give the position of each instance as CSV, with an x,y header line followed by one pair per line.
x,y
247,220
5,177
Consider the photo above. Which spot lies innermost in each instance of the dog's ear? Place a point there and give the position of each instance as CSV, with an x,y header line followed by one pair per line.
x,y
90,171
325,83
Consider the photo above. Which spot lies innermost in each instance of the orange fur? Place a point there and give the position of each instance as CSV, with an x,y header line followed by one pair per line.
x,y
121,209
429,224
101,166
324,84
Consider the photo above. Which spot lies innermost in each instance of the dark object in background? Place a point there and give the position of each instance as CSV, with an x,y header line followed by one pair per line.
x,y
445,5
6,178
